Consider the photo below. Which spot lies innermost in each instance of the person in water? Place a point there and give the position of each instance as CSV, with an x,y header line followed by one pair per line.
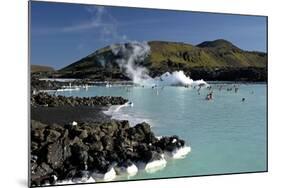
x,y
243,99
198,90
209,96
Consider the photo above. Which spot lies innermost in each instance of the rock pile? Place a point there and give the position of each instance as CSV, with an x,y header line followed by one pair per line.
x,y
37,84
44,99
81,151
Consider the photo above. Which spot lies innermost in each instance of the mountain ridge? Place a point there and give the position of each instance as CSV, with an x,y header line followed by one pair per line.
x,y
210,60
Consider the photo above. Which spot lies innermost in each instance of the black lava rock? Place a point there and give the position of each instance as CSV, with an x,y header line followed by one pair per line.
x,y
69,152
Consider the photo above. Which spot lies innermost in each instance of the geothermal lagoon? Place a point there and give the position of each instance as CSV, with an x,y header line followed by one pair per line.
x,y
226,134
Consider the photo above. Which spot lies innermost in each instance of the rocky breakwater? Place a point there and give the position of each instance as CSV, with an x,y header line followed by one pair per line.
x,y
44,99
88,152
37,85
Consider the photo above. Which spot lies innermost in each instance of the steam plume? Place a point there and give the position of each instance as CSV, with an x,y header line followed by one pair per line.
x,y
135,52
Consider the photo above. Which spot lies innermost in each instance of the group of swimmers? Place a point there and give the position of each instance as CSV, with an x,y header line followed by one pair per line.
x,y
209,96
198,88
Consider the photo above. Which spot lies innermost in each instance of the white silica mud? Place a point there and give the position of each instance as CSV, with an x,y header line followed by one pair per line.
x,y
115,111
84,180
178,153
130,170
108,176
115,108
69,89
155,166
117,172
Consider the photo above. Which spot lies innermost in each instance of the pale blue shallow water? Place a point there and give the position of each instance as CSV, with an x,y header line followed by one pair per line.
x,y
225,134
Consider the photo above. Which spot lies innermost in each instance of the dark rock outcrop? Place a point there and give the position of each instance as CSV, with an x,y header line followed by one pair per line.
x,y
37,84
71,152
44,99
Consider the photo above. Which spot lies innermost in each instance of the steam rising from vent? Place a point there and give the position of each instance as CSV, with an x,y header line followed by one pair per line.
x,y
136,52
131,53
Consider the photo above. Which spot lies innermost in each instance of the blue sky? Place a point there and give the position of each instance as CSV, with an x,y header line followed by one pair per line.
x,y
64,33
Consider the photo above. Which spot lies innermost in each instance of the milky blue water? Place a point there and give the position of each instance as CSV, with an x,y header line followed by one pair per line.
x,y
226,135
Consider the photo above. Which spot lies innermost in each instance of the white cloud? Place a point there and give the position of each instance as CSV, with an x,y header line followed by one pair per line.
x,y
100,20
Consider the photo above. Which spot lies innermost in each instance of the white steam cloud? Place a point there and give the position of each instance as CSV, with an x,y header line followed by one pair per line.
x,y
134,52
131,53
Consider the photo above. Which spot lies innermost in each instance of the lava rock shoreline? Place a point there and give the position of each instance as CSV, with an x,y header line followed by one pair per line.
x,y
77,152
44,99
88,151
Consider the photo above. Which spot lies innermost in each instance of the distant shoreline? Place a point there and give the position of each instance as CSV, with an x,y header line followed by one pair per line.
x,y
130,82
236,82
78,84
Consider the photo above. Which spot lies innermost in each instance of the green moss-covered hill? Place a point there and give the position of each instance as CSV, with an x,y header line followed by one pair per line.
x,y
210,60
